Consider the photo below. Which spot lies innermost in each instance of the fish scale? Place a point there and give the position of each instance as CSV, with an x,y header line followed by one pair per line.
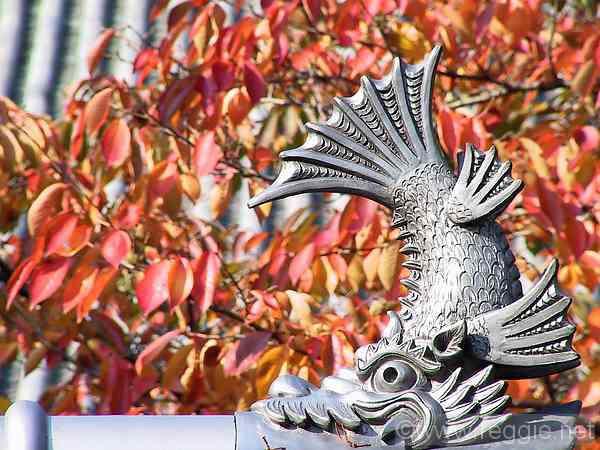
x,y
382,144
443,243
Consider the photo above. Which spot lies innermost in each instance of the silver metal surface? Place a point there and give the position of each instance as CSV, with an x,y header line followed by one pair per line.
x,y
436,376
26,427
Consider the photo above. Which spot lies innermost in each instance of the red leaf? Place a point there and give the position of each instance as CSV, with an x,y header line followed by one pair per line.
x,y
129,215
115,247
47,278
283,47
329,235
97,109
223,74
178,13
588,137
154,349
551,203
153,290
364,60
254,81
449,134
59,232
591,259
301,262
97,52
206,154
313,9
116,143
181,281
373,6
18,278
246,352
207,279
577,236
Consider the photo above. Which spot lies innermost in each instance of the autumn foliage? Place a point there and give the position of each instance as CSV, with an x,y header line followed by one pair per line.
x,y
150,308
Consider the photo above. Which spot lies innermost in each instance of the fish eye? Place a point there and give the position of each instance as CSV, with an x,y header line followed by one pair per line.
x,y
393,376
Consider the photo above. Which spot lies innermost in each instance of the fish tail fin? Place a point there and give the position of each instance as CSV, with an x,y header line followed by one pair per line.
x,y
532,337
370,140
484,187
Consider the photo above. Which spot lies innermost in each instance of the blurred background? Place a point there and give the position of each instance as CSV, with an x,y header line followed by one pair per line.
x,y
149,122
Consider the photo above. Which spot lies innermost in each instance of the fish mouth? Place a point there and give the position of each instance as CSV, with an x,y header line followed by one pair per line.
x,y
294,400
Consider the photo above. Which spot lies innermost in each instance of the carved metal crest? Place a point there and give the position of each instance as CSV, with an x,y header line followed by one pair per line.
x,y
436,377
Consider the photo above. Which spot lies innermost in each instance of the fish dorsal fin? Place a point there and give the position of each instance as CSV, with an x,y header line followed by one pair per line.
x,y
371,139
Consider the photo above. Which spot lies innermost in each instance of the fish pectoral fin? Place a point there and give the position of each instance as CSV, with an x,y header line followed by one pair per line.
x,y
484,187
531,337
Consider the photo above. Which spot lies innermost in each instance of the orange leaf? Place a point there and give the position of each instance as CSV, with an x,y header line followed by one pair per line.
x,y
18,278
153,290
536,154
47,278
115,247
97,109
154,349
78,239
237,105
591,259
301,262
254,241
206,154
102,279
46,205
97,52
181,281
79,286
59,232
594,323
116,143
339,264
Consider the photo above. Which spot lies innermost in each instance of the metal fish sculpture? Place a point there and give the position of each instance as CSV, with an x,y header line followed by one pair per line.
x,y
436,376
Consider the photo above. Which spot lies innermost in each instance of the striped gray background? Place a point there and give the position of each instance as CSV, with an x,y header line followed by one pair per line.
x,y
43,49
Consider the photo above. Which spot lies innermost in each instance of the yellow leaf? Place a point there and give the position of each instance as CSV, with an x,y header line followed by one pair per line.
x,y
268,368
11,149
536,154
176,365
363,235
584,79
370,264
4,404
356,274
331,279
300,312
190,186
388,265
